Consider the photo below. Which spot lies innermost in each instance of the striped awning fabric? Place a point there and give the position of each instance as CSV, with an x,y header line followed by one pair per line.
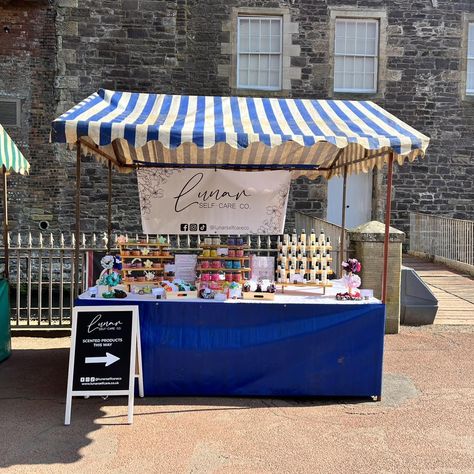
x,y
10,156
311,137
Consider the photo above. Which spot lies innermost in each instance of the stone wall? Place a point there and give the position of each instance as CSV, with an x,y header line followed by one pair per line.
x,y
178,46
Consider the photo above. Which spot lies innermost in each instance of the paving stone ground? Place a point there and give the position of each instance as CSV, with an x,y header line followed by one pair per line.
x,y
424,423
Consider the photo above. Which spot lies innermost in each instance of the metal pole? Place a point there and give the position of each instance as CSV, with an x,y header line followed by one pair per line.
x,y
78,219
388,208
109,208
5,222
343,219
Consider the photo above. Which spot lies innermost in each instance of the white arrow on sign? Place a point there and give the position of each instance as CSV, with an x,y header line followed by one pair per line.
x,y
109,359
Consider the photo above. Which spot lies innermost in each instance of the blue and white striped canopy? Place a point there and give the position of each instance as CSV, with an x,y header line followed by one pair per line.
x,y
10,156
326,135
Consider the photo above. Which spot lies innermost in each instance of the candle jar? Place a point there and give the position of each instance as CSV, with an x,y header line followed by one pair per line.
x,y
206,277
206,253
239,253
230,241
228,264
216,264
208,241
215,277
231,253
205,264
239,241
237,277
213,253
228,276
216,241
236,264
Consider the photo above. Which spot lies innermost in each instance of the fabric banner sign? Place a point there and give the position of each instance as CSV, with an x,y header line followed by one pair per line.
x,y
182,201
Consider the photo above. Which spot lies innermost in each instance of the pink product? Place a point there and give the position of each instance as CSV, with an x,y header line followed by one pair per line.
x,y
206,277
215,264
237,277
214,286
204,264
231,253
239,253
215,277
228,277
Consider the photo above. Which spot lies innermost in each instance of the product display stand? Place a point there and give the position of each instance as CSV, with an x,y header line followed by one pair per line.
x,y
144,257
304,260
214,260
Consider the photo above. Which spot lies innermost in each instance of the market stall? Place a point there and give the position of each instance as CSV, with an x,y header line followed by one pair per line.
x,y
305,344
11,159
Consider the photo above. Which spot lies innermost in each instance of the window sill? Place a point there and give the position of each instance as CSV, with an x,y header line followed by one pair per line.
x,y
259,92
356,95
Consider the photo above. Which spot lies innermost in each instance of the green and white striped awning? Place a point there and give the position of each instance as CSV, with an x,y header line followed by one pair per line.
x,y
10,156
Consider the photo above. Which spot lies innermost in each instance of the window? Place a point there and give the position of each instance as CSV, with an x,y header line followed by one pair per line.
x,y
356,55
470,60
259,52
9,112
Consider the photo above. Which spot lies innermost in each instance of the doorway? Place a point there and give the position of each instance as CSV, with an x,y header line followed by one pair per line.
x,y
358,200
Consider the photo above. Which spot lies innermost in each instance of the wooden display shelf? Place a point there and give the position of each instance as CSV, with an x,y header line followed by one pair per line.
x,y
153,282
321,285
232,270
144,244
161,257
143,269
223,246
200,257
318,272
253,295
307,248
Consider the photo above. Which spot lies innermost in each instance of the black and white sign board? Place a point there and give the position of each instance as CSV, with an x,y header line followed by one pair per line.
x,y
105,356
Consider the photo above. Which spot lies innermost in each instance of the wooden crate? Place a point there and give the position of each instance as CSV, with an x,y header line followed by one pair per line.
x,y
181,295
252,295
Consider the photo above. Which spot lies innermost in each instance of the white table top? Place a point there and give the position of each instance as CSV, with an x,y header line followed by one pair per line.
x,y
293,295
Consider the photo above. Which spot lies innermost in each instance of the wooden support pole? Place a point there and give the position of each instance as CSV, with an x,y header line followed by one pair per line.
x,y
388,209
5,223
109,208
77,254
343,219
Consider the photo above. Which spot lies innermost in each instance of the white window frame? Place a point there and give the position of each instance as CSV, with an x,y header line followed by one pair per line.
x,y
376,56
469,57
279,54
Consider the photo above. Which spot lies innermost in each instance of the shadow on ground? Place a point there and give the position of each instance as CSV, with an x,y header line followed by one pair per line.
x,y
32,403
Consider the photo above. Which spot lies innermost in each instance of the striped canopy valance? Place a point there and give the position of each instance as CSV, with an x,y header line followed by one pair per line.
x,y
10,156
311,137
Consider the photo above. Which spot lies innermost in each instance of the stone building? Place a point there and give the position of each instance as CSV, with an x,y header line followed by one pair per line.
x,y
412,58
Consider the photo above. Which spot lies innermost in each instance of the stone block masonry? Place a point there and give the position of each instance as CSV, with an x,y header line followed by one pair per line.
x,y
60,51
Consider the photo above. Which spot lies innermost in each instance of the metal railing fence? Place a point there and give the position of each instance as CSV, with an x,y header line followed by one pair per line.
x,y
42,272
443,238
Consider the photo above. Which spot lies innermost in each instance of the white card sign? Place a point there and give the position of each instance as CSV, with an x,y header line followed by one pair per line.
x,y
185,267
196,201
263,268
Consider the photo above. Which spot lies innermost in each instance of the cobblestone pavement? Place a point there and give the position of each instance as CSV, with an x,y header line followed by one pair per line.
x,y
424,423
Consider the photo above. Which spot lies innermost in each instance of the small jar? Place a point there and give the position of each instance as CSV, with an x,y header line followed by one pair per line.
x,y
239,253
239,241
216,241
230,241
228,264
208,241
236,264
206,253
231,253
237,277
205,264
228,277
216,264
213,253
215,277
206,277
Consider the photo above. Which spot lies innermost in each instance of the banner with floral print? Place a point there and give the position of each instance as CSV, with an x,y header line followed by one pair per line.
x,y
198,201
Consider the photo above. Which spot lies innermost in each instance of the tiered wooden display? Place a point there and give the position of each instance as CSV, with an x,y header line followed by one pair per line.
x,y
310,250
245,260
129,252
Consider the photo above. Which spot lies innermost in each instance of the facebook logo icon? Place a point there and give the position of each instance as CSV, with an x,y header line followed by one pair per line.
x,y
184,227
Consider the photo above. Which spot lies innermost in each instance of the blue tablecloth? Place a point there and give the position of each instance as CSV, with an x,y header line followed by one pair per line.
x,y
259,349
